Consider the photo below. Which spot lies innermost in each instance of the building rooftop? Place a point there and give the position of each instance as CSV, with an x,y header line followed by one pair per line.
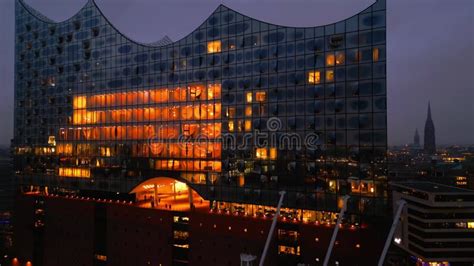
x,y
431,187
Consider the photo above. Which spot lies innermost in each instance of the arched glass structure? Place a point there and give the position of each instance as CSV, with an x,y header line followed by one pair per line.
x,y
238,109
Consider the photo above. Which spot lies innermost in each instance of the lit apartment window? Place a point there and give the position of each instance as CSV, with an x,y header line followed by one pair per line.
x,y
375,54
248,97
329,75
470,225
248,111
79,102
248,125
261,153
214,91
260,96
314,77
289,250
330,60
195,92
273,153
100,257
231,126
213,47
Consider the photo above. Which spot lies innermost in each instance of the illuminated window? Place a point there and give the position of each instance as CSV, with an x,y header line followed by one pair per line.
x,y
249,97
470,225
289,250
195,92
330,59
74,172
214,91
375,54
52,140
340,58
213,47
248,125
273,153
79,102
231,126
261,153
314,77
181,235
260,96
248,110
100,257
329,75
181,245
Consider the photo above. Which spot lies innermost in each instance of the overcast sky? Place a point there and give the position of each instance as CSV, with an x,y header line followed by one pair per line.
x,y
430,50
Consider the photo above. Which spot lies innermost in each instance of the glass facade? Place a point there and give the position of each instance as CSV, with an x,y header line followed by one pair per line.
x,y
238,109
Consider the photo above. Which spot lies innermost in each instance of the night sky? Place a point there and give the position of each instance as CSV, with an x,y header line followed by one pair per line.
x,y
430,50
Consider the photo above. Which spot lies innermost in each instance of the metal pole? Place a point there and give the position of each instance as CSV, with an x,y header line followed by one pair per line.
x,y
272,228
396,219
336,229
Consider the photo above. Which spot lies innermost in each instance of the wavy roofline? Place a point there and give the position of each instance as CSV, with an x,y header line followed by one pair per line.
x,y
38,15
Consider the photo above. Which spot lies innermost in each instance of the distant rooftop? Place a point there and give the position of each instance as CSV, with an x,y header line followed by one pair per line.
x,y
431,187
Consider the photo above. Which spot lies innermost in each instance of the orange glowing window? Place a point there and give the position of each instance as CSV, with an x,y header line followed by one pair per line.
x,y
248,125
100,257
273,153
248,97
330,59
261,153
79,102
329,75
375,54
231,126
260,96
213,47
314,77
195,92
74,172
214,91
248,110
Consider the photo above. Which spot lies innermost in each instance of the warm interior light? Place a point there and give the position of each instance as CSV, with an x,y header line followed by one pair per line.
x,y
314,77
261,153
248,125
260,96
74,172
214,47
79,102
375,54
248,97
329,75
330,59
273,153
248,110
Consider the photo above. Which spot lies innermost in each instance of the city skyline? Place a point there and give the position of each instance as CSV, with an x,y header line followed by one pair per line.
x,y
406,105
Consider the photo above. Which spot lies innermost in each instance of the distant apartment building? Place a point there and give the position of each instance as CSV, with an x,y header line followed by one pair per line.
x,y
437,224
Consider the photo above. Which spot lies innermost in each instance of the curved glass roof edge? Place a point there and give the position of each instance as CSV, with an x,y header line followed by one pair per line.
x,y
165,41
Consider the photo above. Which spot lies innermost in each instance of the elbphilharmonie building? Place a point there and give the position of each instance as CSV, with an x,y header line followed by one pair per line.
x,y
218,122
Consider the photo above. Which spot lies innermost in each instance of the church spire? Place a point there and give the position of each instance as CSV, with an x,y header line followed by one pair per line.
x,y
429,111
416,139
429,136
